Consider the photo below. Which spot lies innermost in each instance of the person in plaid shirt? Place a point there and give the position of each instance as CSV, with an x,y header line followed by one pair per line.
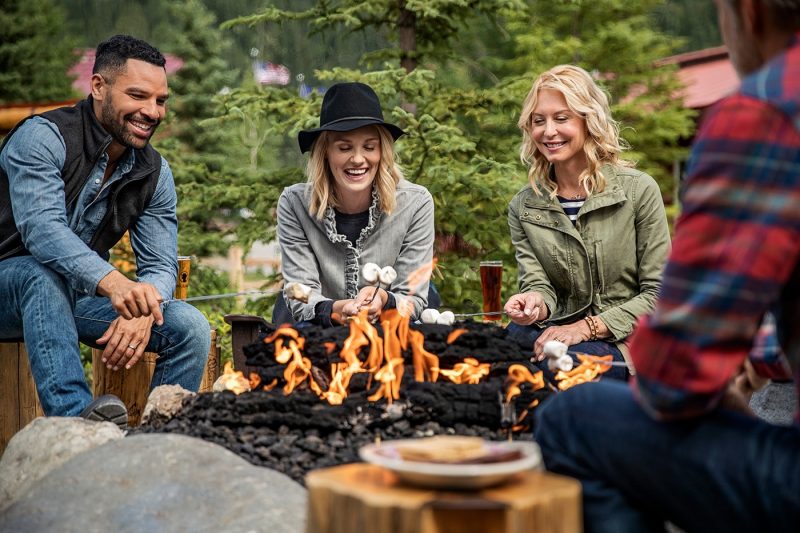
x,y
680,444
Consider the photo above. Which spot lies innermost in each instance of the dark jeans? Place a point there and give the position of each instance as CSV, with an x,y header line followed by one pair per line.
x,y
722,472
282,315
528,334
38,303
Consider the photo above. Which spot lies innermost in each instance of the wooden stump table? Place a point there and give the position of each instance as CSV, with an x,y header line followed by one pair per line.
x,y
363,498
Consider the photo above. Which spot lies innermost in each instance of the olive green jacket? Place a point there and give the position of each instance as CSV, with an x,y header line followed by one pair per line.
x,y
609,264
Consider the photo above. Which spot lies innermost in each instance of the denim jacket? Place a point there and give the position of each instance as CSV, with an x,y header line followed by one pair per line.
x,y
609,264
58,235
314,254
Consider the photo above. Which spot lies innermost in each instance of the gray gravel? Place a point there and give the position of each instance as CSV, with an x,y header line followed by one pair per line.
x,y
776,403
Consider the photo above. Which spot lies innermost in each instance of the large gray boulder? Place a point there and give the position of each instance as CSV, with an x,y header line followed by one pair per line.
x,y
159,483
45,444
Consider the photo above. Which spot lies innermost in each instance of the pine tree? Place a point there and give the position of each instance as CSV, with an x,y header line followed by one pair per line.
x,y
200,155
462,142
34,55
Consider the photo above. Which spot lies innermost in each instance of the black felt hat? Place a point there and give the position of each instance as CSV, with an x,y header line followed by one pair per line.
x,y
346,107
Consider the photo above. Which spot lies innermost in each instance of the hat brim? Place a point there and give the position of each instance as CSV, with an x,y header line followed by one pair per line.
x,y
306,138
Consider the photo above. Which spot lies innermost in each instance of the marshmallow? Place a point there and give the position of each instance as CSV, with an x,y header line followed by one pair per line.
x,y
297,291
555,349
447,318
387,275
370,272
429,316
563,363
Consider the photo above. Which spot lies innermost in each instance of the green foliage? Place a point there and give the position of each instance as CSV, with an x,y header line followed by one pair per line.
x,y
462,141
434,23
199,155
695,21
34,55
615,40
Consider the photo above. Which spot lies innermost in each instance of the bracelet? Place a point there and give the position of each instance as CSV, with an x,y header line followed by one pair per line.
x,y
592,328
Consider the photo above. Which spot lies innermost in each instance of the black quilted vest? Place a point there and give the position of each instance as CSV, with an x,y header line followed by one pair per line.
x,y
86,141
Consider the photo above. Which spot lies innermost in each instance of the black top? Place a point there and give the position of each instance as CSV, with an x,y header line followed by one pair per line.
x,y
350,225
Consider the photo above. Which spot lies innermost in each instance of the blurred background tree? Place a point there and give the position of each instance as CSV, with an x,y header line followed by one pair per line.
x,y
452,73
35,53
463,141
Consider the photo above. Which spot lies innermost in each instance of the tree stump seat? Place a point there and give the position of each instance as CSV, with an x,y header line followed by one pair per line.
x,y
19,403
367,498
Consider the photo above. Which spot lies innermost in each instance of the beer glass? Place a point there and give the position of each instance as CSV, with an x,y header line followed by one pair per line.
x,y
491,283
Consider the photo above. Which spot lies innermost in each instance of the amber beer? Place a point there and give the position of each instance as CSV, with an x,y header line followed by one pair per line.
x,y
491,283
182,285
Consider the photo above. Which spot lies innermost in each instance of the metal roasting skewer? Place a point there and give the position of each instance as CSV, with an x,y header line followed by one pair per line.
x,y
594,358
490,313
220,296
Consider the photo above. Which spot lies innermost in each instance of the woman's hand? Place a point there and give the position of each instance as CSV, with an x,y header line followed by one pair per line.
x,y
364,299
526,308
373,304
569,334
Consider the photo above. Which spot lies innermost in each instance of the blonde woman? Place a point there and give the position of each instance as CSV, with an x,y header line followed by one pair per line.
x,y
590,232
355,208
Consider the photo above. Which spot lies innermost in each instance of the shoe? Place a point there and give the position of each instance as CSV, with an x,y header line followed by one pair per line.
x,y
107,408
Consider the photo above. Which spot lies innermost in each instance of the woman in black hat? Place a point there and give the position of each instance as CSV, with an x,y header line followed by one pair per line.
x,y
355,208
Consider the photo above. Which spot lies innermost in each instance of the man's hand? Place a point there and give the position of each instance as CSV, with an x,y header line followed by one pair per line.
x,y
526,308
740,390
131,299
125,341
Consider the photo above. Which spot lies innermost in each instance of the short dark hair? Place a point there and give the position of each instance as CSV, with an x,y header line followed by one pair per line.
x,y
785,13
111,55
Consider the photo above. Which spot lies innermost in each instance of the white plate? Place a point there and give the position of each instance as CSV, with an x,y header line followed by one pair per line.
x,y
453,476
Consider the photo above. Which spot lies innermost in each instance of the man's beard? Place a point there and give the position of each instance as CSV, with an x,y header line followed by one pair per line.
x,y
119,131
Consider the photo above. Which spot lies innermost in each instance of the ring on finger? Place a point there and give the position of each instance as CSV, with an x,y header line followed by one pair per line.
x,y
132,347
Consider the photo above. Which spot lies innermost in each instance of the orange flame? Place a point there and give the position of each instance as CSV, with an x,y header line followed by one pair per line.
x,y
231,380
519,374
456,333
364,350
591,366
470,371
426,364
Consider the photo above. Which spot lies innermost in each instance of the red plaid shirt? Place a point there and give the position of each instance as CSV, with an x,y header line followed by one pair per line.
x,y
736,252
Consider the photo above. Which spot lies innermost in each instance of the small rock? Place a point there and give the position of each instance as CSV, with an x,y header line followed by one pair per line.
x,y
164,402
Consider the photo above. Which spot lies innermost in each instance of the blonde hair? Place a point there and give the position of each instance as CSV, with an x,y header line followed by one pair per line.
x,y
588,101
323,193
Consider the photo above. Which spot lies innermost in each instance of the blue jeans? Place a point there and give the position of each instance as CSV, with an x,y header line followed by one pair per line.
x,y
39,305
721,472
529,334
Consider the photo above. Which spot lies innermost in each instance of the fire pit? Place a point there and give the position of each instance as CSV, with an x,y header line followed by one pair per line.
x,y
319,394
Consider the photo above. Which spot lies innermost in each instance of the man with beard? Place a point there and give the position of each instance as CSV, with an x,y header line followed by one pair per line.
x,y
72,182
681,444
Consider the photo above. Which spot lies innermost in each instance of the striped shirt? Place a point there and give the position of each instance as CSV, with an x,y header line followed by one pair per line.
x,y
736,251
571,207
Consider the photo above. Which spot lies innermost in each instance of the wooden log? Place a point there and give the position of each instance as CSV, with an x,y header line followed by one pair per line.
x,y
20,403
367,498
132,386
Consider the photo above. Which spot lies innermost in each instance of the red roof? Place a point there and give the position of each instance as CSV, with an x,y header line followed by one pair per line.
x,y
708,76
83,69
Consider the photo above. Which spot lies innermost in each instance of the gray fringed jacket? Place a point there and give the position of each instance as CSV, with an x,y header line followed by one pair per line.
x,y
314,254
